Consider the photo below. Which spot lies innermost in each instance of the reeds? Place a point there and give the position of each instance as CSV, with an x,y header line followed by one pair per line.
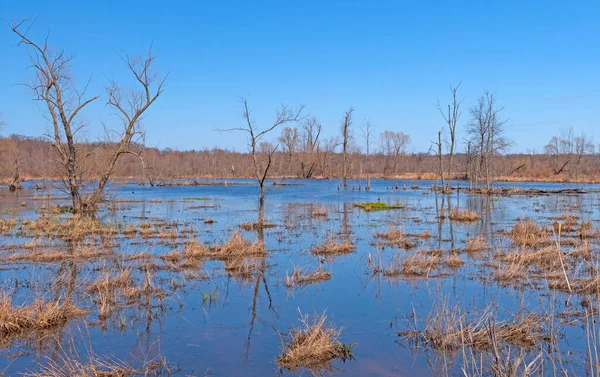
x,y
334,246
528,233
449,329
463,215
476,244
299,276
313,345
39,315
395,236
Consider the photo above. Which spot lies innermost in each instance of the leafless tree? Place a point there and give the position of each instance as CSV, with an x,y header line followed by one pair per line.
x,y
346,133
367,134
54,87
394,146
311,130
437,150
262,154
289,140
451,119
325,151
568,150
486,130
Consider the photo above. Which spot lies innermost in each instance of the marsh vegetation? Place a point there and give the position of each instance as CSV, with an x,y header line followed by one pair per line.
x,y
444,284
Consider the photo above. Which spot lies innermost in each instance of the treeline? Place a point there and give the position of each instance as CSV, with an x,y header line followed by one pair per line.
x,y
565,158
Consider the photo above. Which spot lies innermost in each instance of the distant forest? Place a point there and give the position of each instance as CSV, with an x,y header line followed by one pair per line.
x,y
36,158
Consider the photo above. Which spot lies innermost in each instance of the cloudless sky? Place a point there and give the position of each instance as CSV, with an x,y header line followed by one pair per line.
x,y
388,59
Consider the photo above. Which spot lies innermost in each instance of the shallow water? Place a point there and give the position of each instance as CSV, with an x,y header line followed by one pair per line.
x,y
242,332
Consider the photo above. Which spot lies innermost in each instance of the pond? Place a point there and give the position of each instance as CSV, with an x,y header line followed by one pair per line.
x,y
414,274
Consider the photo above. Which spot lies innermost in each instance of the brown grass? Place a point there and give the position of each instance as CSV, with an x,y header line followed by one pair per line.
x,y
395,236
333,246
319,212
299,277
454,261
449,329
38,255
313,345
39,315
463,215
7,225
528,233
416,265
476,244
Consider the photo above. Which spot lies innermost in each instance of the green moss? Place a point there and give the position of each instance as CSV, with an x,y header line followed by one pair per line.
x,y
377,206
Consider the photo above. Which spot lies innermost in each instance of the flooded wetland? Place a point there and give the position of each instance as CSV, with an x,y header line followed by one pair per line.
x,y
396,281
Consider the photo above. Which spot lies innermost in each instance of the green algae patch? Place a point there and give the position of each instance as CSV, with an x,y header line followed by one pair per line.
x,y
377,206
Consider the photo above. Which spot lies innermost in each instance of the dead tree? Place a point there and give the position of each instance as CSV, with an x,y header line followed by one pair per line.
x,y
487,135
393,147
54,87
367,133
289,141
451,119
311,130
439,153
262,159
346,134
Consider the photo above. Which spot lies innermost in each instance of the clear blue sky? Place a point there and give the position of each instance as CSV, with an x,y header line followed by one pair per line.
x,y
388,59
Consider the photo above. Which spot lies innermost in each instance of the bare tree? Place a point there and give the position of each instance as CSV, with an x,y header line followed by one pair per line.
x,y
367,134
54,87
567,152
394,146
289,141
486,130
437,150
346,133
451,119
311,130
262,154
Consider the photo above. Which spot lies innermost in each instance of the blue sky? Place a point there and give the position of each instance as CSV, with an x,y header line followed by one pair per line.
x,y
388,59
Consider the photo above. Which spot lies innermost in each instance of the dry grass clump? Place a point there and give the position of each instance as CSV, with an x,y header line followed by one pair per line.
x,y
395,236
299,277
334,246
547,258
566,223
513,273
189,257
476,244
7,225
74,228
93,368
454,261
38,255
235,247
449,329
528,233
463,215
314,345
39,315
242,268
318,212
416,265
65,364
